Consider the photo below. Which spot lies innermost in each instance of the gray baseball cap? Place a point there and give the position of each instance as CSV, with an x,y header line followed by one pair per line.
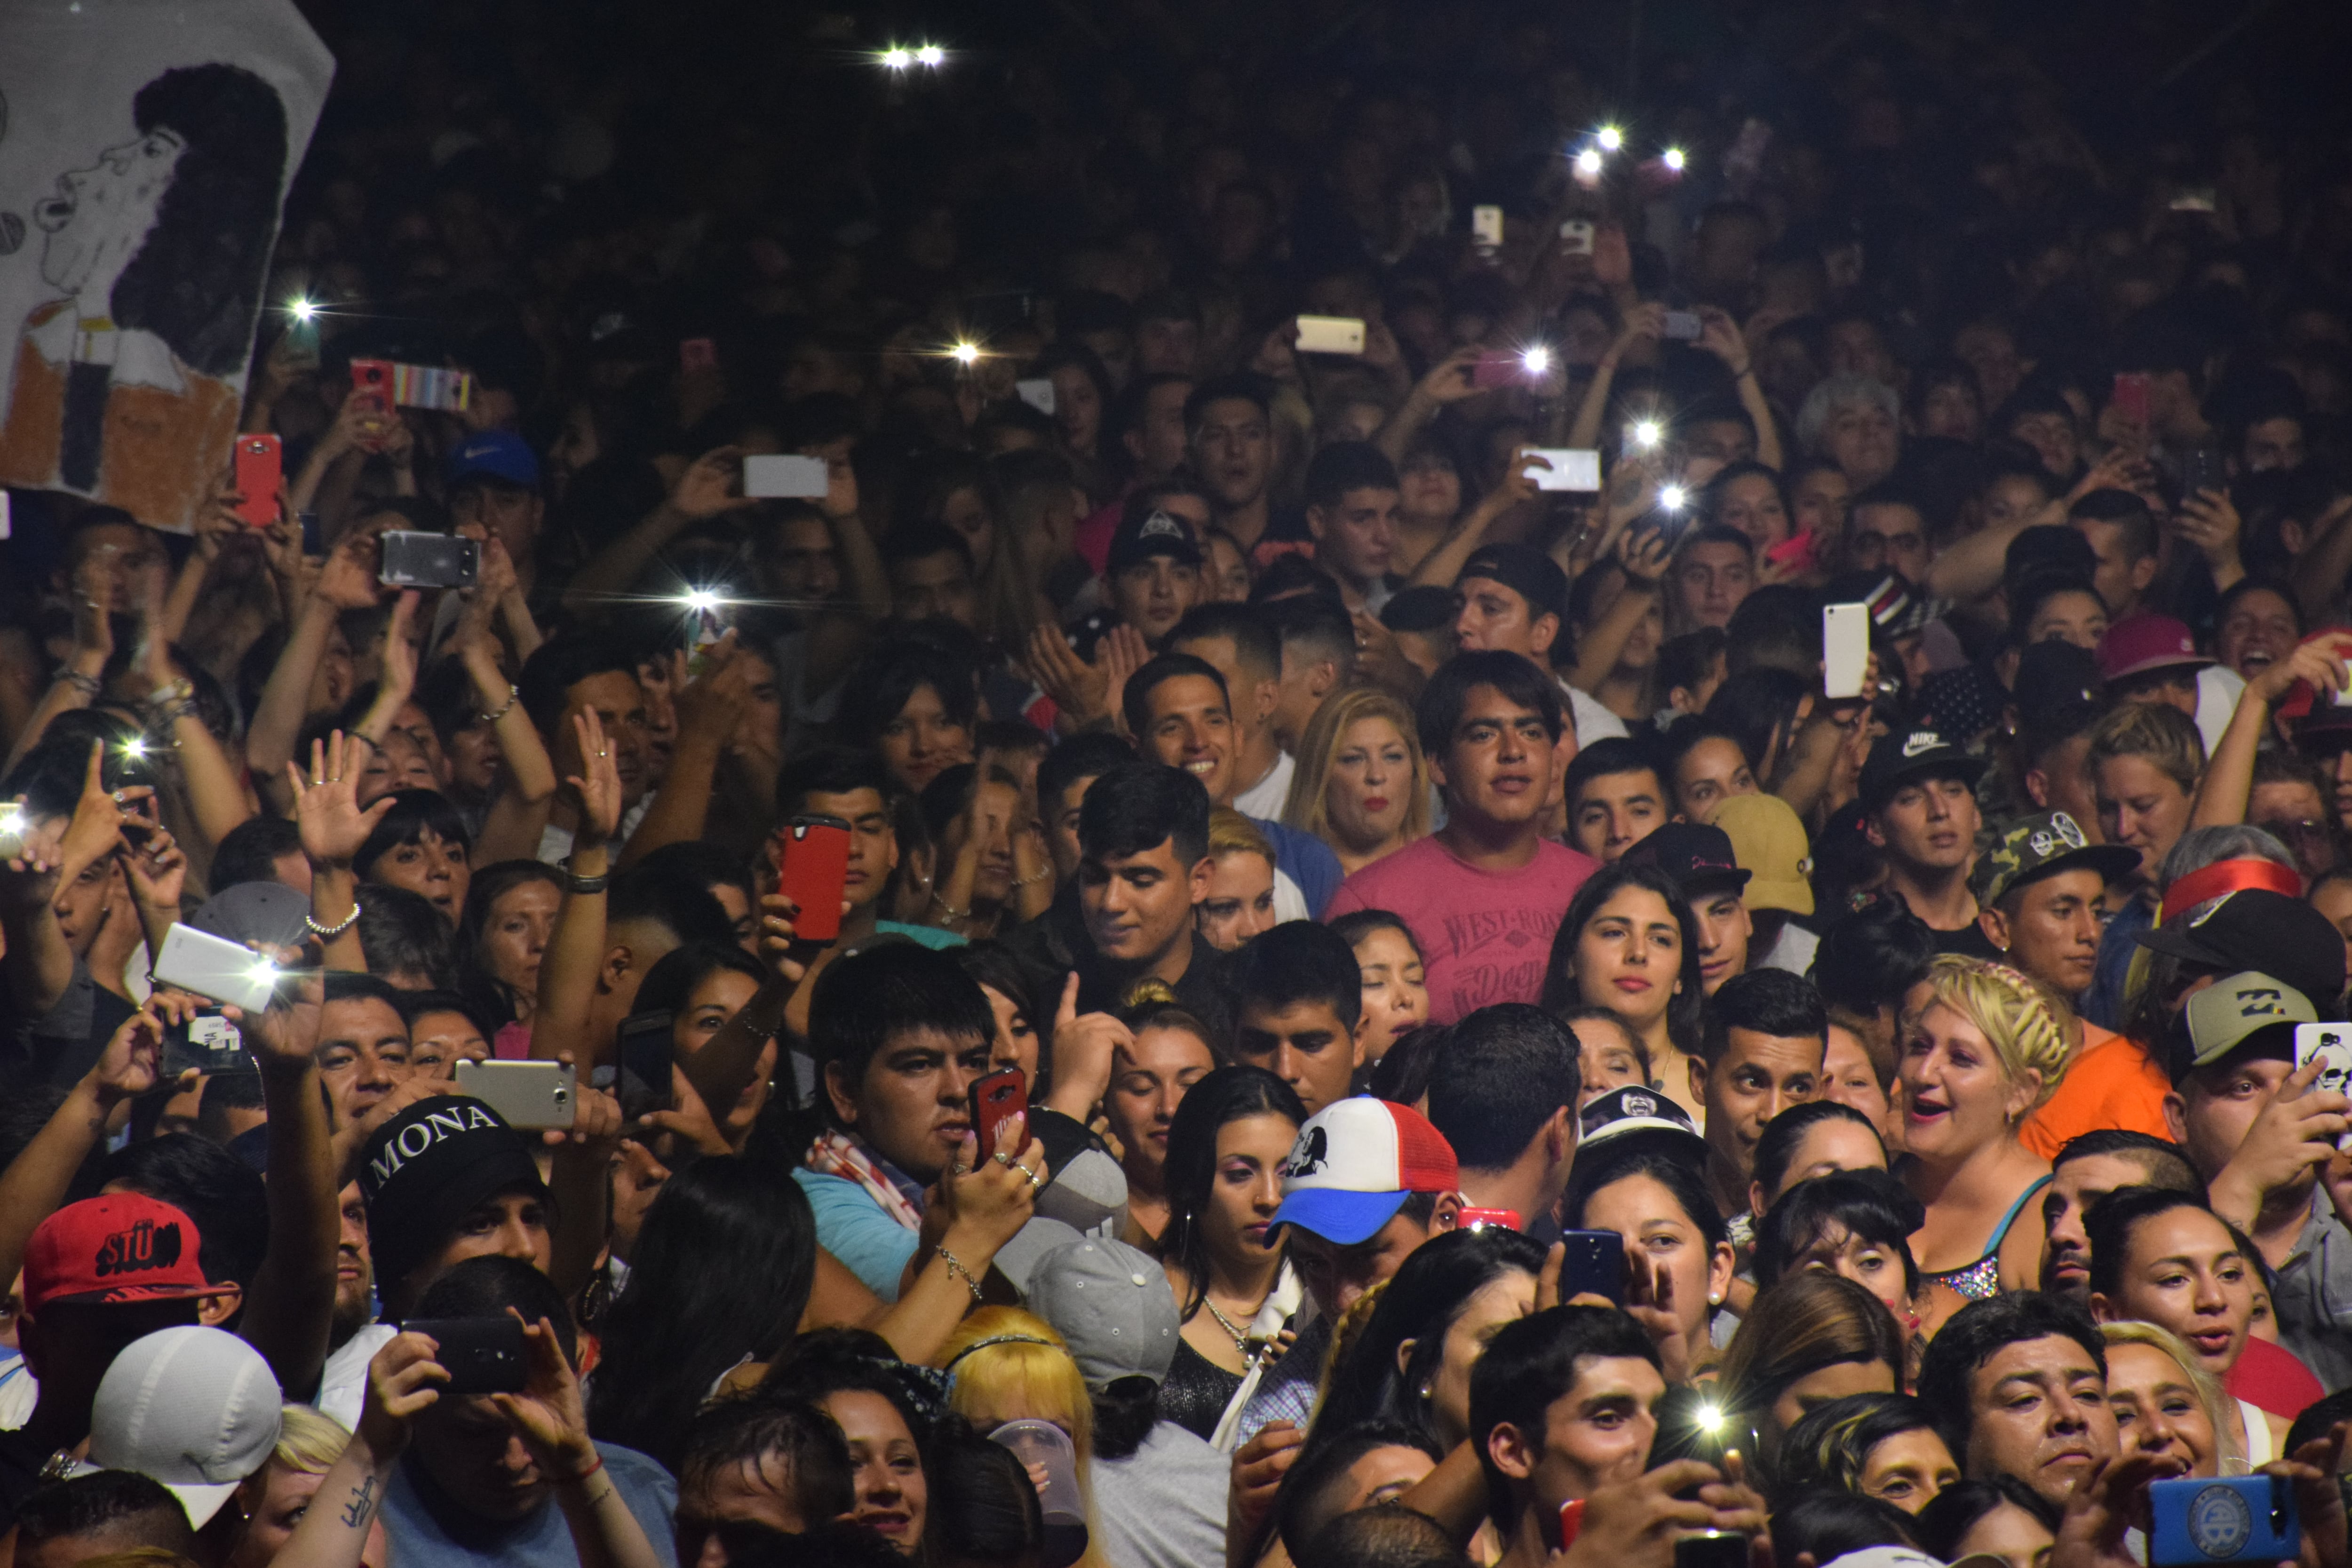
x,y
1112,1306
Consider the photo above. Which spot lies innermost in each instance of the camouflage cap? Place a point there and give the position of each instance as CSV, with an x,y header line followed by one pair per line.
x,y
2043,844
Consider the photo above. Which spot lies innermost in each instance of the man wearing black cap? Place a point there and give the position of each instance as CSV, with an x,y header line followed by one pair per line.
x,y
447,1180
1154,575
1700,858
1919,805
1514,598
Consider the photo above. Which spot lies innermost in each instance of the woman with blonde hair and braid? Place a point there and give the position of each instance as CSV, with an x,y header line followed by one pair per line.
x,y
1977,1054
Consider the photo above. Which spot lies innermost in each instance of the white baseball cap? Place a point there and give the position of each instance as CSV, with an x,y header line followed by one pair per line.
x,y
195,1409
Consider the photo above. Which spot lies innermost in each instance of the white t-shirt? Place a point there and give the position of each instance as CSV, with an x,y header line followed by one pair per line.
x,y
342,1382
2218,690
1792,950
1265,798
1592,721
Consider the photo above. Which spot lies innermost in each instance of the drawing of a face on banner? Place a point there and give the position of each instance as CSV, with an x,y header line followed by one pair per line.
x,y
148,243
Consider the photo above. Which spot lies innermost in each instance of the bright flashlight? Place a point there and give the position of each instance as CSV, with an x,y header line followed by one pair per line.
x,y
264,971
135,747
1672,496
1611,138
931,55
303,311
965,353
897,59
1647,433
1589,161
1537,360
702,601
1709,1418
1672,159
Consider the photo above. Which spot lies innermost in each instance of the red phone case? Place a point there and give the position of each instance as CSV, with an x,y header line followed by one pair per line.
x,y
1501,1219
371,379
260,462
1000,1098
2130,396
812,865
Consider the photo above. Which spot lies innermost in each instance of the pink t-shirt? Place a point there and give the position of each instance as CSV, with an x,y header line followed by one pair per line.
x,y
1484,936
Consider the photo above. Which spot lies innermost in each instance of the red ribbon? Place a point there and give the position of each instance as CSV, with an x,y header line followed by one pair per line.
x,y
2227,876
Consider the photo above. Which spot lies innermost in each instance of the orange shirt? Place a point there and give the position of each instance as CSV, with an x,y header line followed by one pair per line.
x,y
2111,1082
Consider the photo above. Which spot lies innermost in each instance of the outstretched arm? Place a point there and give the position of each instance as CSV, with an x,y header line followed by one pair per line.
x,y
575,948
290,1307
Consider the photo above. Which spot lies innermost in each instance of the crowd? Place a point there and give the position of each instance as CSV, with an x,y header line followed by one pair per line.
x,y
1394,1000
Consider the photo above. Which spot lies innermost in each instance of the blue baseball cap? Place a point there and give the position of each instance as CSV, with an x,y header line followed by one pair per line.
x,y
493,454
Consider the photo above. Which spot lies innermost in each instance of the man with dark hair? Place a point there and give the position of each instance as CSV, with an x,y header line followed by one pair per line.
x,y
835,781
1298,998
408,944
1152,573
102,1514
649,911
363,1044
1240,642
1178,709
1484,894
1319,650
1352,510
2122,534
1387,1535
2088,1168
224,1196
930,575
1614,798
1889,532
1504,1091
1361,1467
1063,777
759,1459
1919,803
1714,571
1760,1053
1704,864
1229,434
1514,598
573,675
261,848
2021,1385
446,1180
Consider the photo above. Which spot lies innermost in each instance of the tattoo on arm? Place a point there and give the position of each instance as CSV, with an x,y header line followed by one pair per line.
x,y
362,1506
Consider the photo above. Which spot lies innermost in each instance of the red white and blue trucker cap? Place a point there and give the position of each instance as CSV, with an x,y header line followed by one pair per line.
x,y
1355,1163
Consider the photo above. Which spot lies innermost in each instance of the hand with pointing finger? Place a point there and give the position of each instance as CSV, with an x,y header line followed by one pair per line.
x,y
1084,1046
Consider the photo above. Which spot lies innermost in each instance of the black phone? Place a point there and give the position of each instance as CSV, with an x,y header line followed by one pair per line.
x,y
1711,1548
1595,1263
481,1355
646,1059
2202,468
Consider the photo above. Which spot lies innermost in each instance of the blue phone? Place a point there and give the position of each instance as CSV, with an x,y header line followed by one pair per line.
x,y
2231,1518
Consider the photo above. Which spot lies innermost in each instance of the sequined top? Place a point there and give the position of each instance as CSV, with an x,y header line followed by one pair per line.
x,y
1196,1391
1981,1280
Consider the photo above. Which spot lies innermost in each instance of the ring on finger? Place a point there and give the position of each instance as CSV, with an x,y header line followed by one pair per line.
x,y
962,1170
1001,1159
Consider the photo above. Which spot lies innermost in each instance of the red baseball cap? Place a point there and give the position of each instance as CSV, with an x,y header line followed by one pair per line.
x,y
120,1248
2143,642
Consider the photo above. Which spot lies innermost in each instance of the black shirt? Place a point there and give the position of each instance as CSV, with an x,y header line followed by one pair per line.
x,y
1969,942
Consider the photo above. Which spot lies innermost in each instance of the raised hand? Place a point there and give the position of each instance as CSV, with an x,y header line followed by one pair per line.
x,y
326,805
96,828
713,701
93,593
987,1199
285,1033
28,877
402,1380
1083,1048
1121,653
158,869
396,677
347,580
2321,661
2208,520
599,793
1448,381
776,912
708,485
549,1414
1644,555
131,1064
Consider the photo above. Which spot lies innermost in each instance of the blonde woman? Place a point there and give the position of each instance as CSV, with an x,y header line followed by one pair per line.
x,y
2167,1403
1362,785
274,1497
1980,1052
1241,882
1005,1364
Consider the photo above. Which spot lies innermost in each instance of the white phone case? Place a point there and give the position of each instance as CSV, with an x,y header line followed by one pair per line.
x,y
1572,468
787,474
1036,392
1845,650
1330,335
214,967
2333,1041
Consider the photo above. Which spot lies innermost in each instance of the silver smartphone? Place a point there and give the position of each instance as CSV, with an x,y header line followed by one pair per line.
x,y
786,475
1845,650
528,1094
1683,326
1330,335
1037,392
215,967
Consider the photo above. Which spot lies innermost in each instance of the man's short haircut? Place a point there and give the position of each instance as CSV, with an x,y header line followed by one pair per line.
x,y
672,899
1250,627
1311,627
1892,492
1616,754
1716,533
864,1001
2127,512
1088,755
1308,1501
1828,1525
1345,466
1389,1535
1765,1001
224,1196
1531,1365
1448,692
828,770
739,1434
1137,806
1502,1074
1687,659
108,1501
225,1092
415,1005
1781,1135
485,1287
1297,960
1975,1332
706,865
561,663
2157,732
917,541
401,932
1242,385
1136,701
2110,1219
249,852
350,985
2161,1163
1777,626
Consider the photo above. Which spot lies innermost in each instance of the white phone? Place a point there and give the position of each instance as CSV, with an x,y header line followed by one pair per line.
x,y
1330,335
1036,392
528,1094
2334,1042
1486,226
786,475
1572,468
215,967
1576,235
1845,650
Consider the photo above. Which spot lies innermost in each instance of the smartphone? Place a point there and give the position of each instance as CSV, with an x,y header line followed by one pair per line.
x,y
1711,1548
1572,1521
528,1094
415,560
2331,1044
481,1355
2130,395
209,1044
1330,335
1845,650
260,466
697,354
998,1098
1576,235
1489,1219
1799,551
214,966
314,542
1486,226
2228,1518
372,380
433,386
1037,392
1683,326
643,1079
786,474
812,868
1572,468
1641,437
2202,469
1595,1264
1500,370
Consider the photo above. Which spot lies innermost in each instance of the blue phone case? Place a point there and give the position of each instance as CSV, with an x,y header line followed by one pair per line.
x,y
2232,1519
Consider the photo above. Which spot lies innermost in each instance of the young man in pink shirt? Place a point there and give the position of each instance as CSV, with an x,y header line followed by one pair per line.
x,y
1484,893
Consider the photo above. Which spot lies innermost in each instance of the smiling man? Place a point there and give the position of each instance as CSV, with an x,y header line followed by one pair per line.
x,y
1920,800
2021,1381
1483,893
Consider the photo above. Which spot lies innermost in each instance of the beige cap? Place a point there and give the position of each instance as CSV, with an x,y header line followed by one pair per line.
x,y
1770,841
